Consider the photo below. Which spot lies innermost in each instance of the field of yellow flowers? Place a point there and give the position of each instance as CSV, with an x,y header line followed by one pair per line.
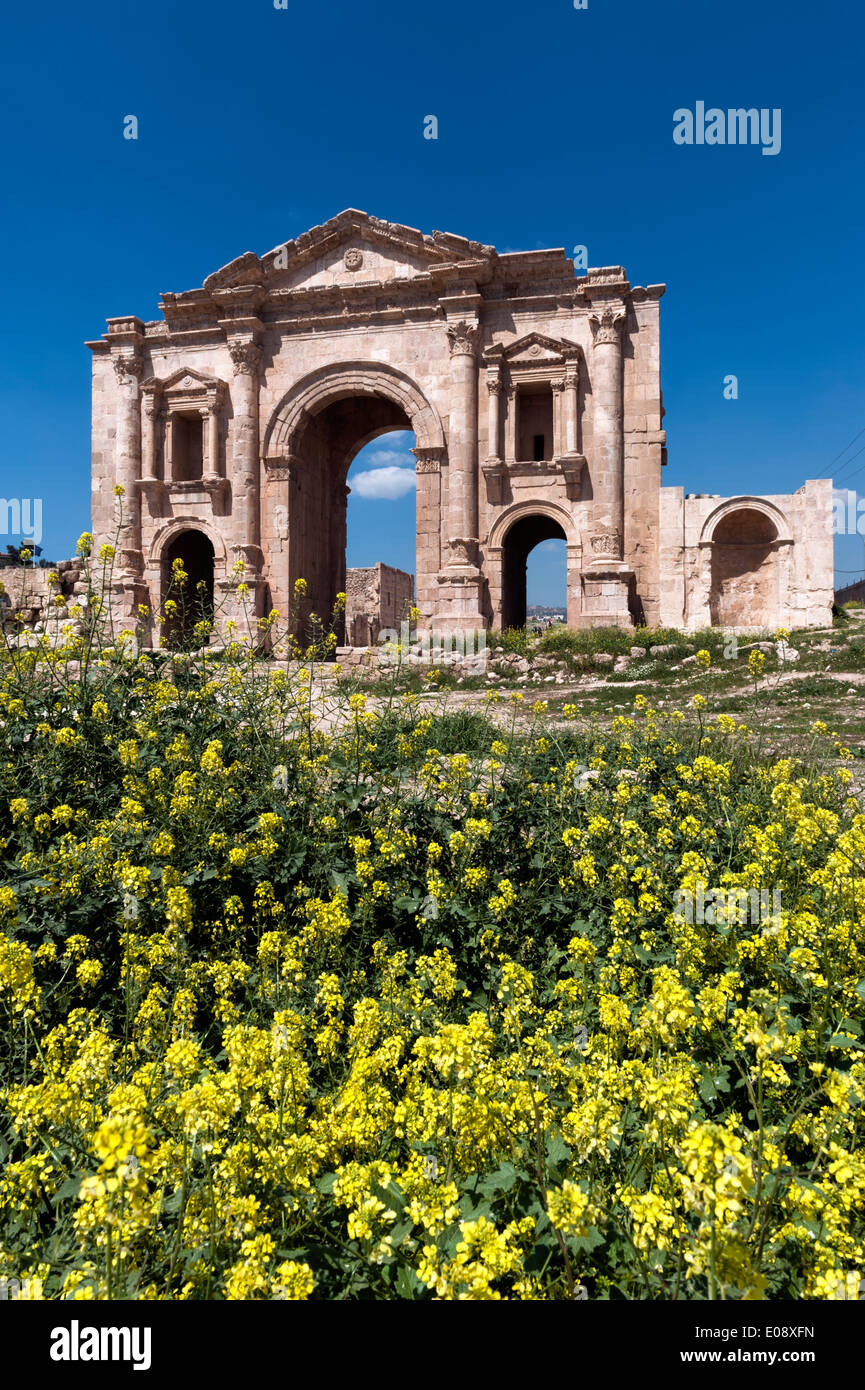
x,y
290,1014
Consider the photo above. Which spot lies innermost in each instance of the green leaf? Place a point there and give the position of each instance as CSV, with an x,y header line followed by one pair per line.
x,y
502,1180
70,1188
407,1283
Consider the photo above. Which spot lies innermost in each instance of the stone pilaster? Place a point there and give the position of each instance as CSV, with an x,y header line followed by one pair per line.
x,y
607,581
428,478
127,461
494,388
460,580
244,464
608,471
571,408
462,433
149,440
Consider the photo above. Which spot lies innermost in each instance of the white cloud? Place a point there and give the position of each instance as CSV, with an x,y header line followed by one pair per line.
x,y
383,458
383,482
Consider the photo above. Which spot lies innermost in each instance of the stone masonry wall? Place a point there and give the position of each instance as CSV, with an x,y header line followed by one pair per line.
x,y
377,597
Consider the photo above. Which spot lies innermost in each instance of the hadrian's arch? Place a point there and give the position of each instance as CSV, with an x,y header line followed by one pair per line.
x,y
533,392
311,439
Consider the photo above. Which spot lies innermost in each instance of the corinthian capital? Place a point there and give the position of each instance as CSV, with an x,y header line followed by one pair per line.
x,y
462,339
246,357
128,368
607,324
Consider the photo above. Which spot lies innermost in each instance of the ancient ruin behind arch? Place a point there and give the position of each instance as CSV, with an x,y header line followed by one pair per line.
x,y
535,398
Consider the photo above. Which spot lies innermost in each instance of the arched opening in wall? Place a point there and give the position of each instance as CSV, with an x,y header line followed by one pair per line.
x,y
744,571
190,602
354,510
543,539
381,537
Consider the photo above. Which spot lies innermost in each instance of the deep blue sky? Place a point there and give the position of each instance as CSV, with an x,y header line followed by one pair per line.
x,y
555,129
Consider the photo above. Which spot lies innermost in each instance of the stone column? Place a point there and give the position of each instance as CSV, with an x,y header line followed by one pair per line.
x,y
494,386
246,357
462,435
558,443
210,464
167,445
571,408
608,473
511,423
127,460
245,531
150,433
460,581
607,581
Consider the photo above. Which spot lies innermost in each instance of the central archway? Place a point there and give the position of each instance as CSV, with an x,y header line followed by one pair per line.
x,y
313,437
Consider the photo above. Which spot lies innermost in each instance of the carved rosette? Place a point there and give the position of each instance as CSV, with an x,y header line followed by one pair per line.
x,y
246,358
128,368
463,339
607,325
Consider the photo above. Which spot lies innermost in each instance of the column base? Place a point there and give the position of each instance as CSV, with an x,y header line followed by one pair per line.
x,y
607,586
127,593
459,600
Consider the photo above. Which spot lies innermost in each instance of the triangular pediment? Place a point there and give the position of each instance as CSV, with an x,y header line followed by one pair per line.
x,y
188,379
533,350
352,247
186,382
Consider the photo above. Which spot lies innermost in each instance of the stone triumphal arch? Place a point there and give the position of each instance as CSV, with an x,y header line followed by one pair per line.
x,y
534,396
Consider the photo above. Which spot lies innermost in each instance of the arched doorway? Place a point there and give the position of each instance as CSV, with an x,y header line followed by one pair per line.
x,y
192,600
327,445
519,542
311,441
744,570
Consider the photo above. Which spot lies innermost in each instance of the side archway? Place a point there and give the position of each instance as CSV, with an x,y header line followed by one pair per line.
x,y
747,540
512,537
201,555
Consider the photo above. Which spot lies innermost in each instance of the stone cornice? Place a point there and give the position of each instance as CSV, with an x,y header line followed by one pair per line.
x,y
442,267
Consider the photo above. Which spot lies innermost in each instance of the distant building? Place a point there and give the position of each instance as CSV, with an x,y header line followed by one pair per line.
x,y
376,598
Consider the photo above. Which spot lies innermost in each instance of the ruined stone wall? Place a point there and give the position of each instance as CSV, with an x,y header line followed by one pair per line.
x,y
377,597
28,603
749,562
